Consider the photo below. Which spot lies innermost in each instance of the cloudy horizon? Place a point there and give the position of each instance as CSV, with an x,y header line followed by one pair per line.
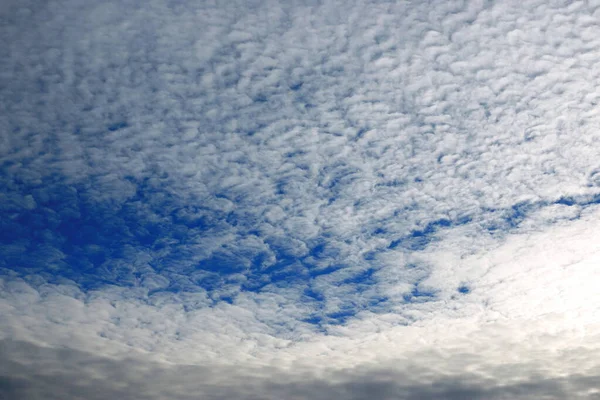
x,y
299,199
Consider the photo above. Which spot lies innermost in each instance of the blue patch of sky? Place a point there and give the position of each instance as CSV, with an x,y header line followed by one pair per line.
x,y
512,217
464,289
69,234
296,86
341,316
418,239
419,293
117,125
361,279
317,299
504,220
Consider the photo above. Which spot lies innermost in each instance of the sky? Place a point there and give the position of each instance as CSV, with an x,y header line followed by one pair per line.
x,y
299,199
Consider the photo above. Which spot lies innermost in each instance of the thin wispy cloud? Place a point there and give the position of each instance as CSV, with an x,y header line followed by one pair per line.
x,y
359,199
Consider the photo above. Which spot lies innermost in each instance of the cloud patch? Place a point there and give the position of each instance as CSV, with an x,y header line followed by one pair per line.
x,y
30,371
287,186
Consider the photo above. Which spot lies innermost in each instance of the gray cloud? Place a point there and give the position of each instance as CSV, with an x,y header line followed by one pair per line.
x,y
33,372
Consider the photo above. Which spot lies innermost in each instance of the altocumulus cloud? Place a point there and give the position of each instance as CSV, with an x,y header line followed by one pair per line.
x,y
264,200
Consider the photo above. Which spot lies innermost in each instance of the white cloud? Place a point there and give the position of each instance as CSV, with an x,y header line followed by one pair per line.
x,y
423,147
531,299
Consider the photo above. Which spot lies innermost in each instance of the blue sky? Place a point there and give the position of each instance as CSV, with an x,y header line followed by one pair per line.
x,y
381,197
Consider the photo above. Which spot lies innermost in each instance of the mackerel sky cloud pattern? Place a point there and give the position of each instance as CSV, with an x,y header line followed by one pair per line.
x,y
299,199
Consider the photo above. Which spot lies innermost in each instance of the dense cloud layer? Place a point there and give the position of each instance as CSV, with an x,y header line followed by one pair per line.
x,y
299,186
43,373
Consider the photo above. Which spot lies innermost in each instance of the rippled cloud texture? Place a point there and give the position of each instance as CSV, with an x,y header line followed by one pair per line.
x,y
299,199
